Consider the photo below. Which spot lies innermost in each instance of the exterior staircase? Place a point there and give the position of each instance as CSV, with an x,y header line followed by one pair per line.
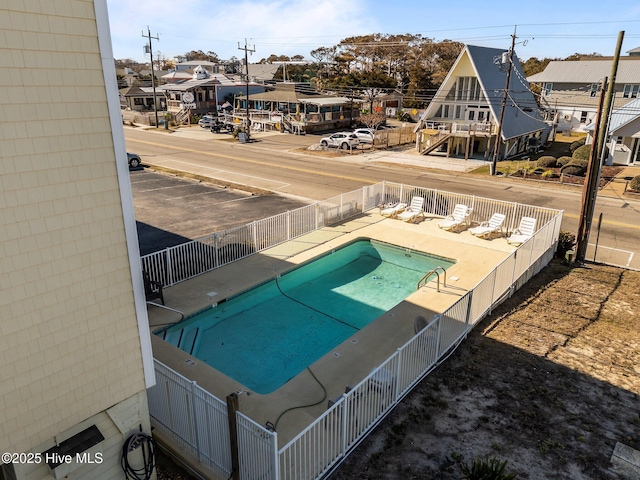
x,y
434,141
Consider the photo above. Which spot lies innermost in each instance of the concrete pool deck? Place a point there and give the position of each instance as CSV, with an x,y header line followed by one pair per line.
x,y
348,363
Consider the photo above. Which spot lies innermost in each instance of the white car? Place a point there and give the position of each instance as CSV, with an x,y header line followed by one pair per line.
x,y
206,121
343,140
365,135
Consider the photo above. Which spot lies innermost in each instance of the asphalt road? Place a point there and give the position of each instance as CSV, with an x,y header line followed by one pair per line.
x,y
281,164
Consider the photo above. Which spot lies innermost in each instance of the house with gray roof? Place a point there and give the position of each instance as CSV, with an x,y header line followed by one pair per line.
x,y
462,119
623,136
570,89
208,90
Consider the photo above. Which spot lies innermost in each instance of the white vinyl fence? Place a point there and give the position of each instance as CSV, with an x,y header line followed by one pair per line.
x,y
197,421
181,262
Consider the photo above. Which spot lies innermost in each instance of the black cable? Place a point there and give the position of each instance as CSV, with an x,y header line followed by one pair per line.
x,y
304,406
148,446
314,309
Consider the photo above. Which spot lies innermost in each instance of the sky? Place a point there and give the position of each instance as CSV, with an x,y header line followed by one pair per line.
x,y
544,28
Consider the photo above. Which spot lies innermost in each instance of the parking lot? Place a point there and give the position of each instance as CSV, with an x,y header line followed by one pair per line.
x,y
171,210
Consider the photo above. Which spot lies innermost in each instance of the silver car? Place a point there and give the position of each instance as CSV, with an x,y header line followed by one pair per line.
x,y
343,140
365,135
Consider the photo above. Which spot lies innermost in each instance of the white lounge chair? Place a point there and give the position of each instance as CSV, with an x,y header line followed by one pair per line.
x,y
457,219
488,228
410,214
524,232
392,209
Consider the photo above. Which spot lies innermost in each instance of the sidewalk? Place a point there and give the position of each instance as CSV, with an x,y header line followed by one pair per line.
x,y
616,188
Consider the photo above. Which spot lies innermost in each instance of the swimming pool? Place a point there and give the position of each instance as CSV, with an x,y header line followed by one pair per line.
x,y
264,337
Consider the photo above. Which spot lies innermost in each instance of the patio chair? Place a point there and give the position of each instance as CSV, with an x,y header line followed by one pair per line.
x,y
490,227
152,289
411,213
457,219
392,209
524,232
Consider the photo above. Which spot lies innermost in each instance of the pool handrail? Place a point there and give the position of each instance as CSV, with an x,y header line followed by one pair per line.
x,y
431,272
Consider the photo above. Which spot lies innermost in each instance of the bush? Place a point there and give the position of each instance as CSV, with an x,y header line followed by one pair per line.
x,y
566,241
562,161
549,174
579,162
634,184
486,469
547,161
582,153
575,170
578,143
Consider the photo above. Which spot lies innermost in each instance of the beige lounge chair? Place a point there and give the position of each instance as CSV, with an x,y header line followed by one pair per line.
x,y
415,209
391,210
457,219
488,228
524,232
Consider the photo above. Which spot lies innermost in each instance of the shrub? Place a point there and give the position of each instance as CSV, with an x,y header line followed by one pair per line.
x,y
549,174
582,153
572,169
634,184
566,241
547,161
577,161
562,161
578,143
486,469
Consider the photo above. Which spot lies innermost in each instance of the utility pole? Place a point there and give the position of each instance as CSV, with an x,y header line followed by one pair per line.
x,y
496,146
590,189
153,75
246,66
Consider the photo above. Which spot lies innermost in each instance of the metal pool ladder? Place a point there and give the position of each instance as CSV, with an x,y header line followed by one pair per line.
x,y
423,281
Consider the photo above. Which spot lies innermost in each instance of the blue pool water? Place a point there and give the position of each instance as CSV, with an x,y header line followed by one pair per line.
x,y
266,336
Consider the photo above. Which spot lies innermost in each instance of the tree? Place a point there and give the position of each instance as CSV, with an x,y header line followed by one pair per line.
x,y
200,55
533,65
368,84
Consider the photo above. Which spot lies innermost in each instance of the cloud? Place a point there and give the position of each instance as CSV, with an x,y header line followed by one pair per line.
x,y
283,27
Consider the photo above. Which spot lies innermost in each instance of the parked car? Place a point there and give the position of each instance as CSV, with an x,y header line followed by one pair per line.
x,y
134,160
206,121
365,135
343,140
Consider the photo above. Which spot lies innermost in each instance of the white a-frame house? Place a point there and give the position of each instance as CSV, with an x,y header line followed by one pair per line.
x,y
462,119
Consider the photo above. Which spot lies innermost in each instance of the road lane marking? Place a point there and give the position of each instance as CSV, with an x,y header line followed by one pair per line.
x,y
258,162
608,222
230,173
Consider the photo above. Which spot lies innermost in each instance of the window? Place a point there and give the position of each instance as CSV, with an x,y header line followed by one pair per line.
x,y
458,111
546,89
138,101
472,115
583,117
468,89
594,89
480,116
445,112
631,91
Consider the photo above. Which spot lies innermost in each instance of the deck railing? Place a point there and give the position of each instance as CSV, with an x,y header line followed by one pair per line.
x,y
197,421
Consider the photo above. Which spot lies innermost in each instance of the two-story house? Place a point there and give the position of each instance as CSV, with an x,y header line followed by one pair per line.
x,y
570,89
463,117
